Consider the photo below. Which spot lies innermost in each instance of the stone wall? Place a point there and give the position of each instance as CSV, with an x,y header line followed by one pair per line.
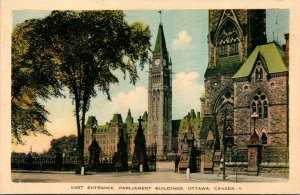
x,y
275,88
214,86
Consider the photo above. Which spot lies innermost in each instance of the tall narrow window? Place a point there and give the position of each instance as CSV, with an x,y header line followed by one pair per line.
x,y
157,104
264,138
259,108
257,75
259,105
265,109
253,107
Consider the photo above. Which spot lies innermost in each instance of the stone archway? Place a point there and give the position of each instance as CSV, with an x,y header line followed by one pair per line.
x,y
223,109
225,113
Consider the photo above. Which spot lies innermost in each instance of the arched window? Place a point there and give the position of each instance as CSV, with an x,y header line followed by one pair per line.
x,y
264,138
265,109
258,72
259,104
259,108
228,40
253,107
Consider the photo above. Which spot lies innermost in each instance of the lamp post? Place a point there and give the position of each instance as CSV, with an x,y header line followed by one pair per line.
x,y
224,142
227,138
254,116
63,156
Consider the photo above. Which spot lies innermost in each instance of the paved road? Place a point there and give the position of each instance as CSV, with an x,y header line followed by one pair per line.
x,y
164,174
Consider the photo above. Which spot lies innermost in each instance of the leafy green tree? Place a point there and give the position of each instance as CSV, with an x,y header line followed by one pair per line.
x,y
31,82
86,48
65,144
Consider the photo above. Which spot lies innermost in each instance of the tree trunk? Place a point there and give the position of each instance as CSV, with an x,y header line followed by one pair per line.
x,y
80,138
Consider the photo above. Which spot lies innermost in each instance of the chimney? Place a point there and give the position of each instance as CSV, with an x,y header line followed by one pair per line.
x,y
286,49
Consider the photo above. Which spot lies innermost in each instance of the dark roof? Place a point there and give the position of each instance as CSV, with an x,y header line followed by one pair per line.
x,y
117,118
91,121
94,146
225,65
160,44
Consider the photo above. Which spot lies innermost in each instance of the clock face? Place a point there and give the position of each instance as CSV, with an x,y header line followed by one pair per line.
x,y
157,62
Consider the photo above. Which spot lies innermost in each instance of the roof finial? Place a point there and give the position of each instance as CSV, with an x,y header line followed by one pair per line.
x,y
159,17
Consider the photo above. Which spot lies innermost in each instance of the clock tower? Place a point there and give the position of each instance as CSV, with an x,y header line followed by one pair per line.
x,y
159,126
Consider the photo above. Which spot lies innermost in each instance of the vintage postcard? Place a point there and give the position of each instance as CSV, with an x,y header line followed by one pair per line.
x,y
152,97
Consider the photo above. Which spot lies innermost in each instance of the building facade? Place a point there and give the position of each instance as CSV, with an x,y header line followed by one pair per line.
x,y
108,135
245,76
159,126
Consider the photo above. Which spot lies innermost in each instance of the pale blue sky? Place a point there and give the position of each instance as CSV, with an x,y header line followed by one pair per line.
x,y
186,38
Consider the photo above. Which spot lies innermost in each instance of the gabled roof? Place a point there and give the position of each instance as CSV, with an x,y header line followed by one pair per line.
x,y
271,55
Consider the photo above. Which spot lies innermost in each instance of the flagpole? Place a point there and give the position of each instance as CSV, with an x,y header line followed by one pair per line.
x,y
277,27
159,16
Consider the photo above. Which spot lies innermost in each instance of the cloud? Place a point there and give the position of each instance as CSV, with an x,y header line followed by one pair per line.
x,y
182,41
186,93
135,100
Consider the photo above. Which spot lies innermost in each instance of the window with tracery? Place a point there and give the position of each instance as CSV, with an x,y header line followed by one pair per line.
x,y
260,105
228,41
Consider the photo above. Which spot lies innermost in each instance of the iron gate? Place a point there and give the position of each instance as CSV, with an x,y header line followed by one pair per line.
x,y
151,157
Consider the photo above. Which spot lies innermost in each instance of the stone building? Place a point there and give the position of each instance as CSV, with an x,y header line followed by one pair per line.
x,y
158,125
159,130
190,123
108,135
245,75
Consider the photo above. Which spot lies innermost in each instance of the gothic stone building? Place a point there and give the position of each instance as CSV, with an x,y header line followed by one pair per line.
x,y
108,135
158,125
159,130
245,75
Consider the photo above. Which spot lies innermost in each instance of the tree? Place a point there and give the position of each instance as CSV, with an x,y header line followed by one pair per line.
x,y
65,144
86,48
31,82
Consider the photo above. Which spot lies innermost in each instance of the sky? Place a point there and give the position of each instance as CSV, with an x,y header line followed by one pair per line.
x,y
186,38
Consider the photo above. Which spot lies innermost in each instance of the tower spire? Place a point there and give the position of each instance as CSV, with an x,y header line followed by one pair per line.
x,y
160,44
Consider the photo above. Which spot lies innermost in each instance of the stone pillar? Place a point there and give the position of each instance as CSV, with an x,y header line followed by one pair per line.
x,y
254,153
139,156
94,150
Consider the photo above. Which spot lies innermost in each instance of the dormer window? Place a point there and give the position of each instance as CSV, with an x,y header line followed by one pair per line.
x,y
258,72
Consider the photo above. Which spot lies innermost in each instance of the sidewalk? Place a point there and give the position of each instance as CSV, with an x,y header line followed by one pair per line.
x,y
163,176
213,178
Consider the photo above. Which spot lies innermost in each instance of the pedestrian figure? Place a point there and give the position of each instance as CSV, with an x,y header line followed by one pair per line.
x,y
177,159
221,166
